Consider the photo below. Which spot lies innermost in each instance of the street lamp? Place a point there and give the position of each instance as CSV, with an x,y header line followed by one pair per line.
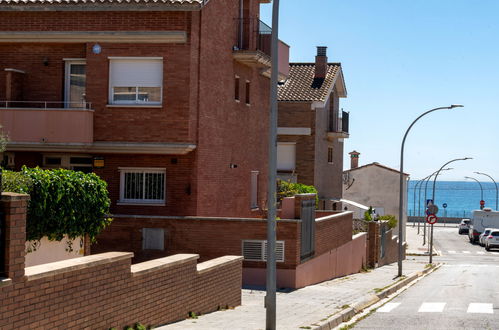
x,y
481,190
271,283
497,191
401,188
433,198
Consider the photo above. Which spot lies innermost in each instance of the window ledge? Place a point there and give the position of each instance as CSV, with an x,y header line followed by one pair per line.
x,y
156,106
139,203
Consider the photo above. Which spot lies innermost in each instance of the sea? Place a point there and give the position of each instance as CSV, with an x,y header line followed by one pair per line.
x,y
456,199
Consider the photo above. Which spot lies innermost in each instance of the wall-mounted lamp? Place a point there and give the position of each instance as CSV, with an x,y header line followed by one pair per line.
x,y
46,61
232,165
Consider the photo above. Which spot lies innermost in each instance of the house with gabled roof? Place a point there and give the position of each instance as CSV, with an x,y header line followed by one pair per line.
x,y
312,128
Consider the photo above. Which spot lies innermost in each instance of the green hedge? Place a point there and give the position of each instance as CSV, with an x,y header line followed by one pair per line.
x,y
63,202
289,189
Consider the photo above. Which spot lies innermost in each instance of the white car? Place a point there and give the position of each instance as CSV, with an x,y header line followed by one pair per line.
x,y
492,240
464,226
483,236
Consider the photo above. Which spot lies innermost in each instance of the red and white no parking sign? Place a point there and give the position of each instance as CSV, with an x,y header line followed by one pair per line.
x,y
431,219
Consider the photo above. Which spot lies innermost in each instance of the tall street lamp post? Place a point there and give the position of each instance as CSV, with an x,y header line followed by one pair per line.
x,y
481,189
491,178
433,198
270,298
401,183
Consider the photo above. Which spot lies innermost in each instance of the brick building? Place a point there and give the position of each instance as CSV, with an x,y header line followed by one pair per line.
x,y
312,128
167,101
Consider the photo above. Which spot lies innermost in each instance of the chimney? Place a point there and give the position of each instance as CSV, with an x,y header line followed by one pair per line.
x,y
354,159
321,62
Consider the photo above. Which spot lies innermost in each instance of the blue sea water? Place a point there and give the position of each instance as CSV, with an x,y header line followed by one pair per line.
x,y
461,197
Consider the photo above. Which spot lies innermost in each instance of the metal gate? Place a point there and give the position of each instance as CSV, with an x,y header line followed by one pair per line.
x,y
2,245
307,228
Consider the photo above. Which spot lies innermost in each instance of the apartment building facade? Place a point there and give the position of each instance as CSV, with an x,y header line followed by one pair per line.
x,y
312,128
166,101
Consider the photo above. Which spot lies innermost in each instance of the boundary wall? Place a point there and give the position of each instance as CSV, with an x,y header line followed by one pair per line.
x,y
105,290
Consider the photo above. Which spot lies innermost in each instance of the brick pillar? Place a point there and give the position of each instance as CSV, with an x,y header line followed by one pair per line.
x,y
298,199
14,207
372,244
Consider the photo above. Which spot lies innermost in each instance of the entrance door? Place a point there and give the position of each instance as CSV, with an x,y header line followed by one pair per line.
x,y
75,84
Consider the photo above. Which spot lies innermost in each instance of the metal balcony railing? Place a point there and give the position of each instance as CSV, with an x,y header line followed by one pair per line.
x,y
345,117
253,34
46,105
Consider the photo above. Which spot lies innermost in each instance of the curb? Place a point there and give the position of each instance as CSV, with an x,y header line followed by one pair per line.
x,y
369,300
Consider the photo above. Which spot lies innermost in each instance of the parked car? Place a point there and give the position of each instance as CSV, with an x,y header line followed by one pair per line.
x,y
483,236
464,226
492,240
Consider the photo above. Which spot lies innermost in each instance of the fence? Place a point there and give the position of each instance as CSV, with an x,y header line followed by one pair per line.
x,y
2,244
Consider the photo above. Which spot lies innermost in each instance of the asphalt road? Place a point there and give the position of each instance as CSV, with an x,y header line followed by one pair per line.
x,y
462,294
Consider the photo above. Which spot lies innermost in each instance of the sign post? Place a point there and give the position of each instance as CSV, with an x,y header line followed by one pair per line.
x,y
431,219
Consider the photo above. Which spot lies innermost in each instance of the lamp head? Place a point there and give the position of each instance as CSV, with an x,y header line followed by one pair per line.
x,y
456,106
466,158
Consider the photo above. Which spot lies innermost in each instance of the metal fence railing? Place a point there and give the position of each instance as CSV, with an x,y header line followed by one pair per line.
x,y
253,34
45,105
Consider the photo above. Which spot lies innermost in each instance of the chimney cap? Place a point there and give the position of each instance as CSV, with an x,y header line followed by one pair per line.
x,y
354,153
321,50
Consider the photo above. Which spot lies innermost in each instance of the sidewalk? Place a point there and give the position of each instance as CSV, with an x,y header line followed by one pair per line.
x,y
414,240
320,306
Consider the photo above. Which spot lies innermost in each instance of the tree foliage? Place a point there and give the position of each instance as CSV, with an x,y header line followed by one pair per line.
x,y
63,202
289,189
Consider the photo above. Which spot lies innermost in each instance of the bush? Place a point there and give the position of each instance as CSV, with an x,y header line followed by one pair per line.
x,y
63,202
392,221
289,189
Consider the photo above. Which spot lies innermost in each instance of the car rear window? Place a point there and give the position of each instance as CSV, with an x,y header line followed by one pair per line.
x,y
495,233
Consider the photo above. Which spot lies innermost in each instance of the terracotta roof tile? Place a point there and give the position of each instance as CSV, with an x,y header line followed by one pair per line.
x,y
301,85
97,2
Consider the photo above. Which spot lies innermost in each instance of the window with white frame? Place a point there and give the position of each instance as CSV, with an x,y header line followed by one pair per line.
x,y
142,185
286,156
135,81
254,189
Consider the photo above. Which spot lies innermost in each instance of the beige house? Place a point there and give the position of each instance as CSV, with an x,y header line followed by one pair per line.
x,y
374,185
311,128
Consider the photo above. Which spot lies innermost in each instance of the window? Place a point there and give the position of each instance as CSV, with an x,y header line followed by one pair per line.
x,y
254,189
236,89
142,185
330,155
135,81
247,91
256,250
71,162
286,156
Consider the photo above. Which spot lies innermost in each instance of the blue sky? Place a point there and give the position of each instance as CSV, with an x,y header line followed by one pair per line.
x,y
401,58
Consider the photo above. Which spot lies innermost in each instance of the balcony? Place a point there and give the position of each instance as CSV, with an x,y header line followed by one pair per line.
x,y
339,128
253,47
40,122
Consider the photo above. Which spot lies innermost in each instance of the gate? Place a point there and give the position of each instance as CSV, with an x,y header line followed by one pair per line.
x,y
382,229
2,245
307,228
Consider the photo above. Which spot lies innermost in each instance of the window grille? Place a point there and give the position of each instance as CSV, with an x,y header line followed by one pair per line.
x,y
142,185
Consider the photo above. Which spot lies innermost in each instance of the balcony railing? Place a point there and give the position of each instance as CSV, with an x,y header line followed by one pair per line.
x,y
45,105
345,121
253,34
339,128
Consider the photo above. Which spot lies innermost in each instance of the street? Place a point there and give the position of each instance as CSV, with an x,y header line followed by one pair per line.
x,y
462,294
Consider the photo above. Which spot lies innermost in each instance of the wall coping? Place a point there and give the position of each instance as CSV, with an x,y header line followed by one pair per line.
x,y
354,237
5,282
162,263
197,218
64,266
12,196
332,216
217,263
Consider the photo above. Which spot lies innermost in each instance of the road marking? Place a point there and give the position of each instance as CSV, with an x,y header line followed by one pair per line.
x,y
452,252
431,308
480,252
388,307
480,308
466,252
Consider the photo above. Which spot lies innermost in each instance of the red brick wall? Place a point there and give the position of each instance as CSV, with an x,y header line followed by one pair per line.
x,y
103,291
333,232
210,238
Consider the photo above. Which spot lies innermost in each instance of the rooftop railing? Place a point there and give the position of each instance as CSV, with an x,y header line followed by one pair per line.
x,y
45,105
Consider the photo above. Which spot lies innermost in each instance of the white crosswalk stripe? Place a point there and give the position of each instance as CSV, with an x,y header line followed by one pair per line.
x,y
388,307
452,252
466,252
480,252
439,307
480,308
435,307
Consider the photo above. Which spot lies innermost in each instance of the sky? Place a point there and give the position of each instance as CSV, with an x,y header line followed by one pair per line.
x,y
401,58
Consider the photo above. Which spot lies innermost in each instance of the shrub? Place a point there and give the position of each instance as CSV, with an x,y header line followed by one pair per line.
x,y
392,221
63,202
289,189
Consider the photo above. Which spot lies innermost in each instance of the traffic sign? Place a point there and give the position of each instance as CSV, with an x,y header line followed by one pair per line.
x,y
444,205
433,209
482,202
429,202
431,219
